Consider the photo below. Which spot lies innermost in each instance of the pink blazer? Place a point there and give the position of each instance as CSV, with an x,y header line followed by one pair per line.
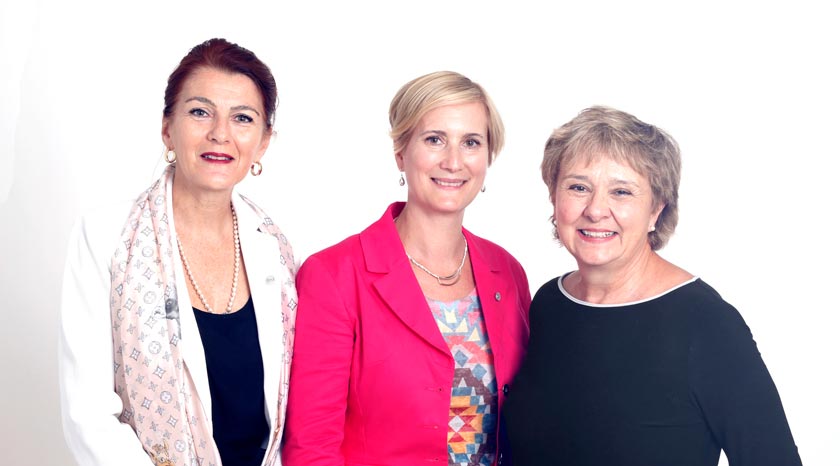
x,y
371,375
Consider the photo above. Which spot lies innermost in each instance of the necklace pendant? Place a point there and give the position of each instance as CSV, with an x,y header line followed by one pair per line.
x,y
448,281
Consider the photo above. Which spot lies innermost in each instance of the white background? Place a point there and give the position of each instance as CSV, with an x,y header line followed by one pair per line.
x,y
748,89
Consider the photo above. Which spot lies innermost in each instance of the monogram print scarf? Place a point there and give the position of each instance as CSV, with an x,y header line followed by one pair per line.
x,y
159,398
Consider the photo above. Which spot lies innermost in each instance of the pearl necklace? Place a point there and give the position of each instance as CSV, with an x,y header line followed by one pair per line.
x,y
236,256
448,280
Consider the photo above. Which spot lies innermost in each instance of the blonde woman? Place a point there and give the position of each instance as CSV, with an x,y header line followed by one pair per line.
x,y
409,332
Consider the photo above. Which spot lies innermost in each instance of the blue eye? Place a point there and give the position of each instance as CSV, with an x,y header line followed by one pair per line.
x,y
243,118
472,143
578,188
199,112
434,140
623,192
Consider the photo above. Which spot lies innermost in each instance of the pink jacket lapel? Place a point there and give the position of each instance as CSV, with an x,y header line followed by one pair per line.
x,y
385,256
493,292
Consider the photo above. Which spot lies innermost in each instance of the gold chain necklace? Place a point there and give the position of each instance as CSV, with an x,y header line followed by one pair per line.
x,y
448,280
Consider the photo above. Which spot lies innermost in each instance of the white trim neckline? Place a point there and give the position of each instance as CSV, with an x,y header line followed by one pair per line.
x,y
631,303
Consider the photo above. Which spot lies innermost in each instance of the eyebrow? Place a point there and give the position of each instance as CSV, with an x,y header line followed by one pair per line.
x,y
576,177
622,181
443,133
237,108
613,181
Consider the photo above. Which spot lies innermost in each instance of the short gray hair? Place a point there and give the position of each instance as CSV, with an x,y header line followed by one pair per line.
x,y
607,132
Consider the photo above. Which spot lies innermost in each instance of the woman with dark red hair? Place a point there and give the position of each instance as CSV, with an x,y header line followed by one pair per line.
x,y
191,363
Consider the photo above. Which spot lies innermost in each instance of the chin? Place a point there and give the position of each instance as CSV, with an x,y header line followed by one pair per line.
x,y
452,208
217,185
592,260
592,264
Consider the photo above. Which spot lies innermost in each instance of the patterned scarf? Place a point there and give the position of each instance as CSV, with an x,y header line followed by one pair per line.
x,y
159,398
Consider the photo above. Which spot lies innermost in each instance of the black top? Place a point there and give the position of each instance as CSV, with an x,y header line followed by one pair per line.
x,y
235,371
667,381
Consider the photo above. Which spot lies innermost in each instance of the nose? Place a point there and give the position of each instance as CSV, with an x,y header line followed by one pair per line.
x,y
598,206
453,159
219,132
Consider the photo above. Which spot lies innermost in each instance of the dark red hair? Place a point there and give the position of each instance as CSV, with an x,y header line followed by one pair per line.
x,y
223,55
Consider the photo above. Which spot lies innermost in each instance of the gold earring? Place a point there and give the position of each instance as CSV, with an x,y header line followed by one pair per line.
x,y
170,156
256,168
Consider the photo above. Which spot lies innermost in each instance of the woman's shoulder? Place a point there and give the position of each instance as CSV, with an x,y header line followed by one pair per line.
x,y
549,290
699,295
346,253
490,250
706,311
713,301
485,243
378,246
250,211
697,289
345,249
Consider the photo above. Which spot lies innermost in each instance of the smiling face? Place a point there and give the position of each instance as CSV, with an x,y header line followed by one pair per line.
x,y
604,210
217,130
445,159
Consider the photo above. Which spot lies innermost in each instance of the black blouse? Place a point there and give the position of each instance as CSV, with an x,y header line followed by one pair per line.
x,y
235,372
667,381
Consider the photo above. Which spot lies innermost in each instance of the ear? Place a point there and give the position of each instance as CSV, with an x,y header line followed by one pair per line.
x,y
164,133
398,157
654,216
263,145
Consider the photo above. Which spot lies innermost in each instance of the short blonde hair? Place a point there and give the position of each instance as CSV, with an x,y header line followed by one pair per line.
x,y
607,132
438,89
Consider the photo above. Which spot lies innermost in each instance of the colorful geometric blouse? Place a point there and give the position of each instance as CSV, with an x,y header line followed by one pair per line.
x,y
472,413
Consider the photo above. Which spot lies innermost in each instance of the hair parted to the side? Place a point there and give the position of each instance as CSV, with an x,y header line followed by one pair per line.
x,y
438,89
606,132
225,56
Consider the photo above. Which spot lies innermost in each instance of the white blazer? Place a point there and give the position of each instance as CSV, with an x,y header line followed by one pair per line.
x,y
89,406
